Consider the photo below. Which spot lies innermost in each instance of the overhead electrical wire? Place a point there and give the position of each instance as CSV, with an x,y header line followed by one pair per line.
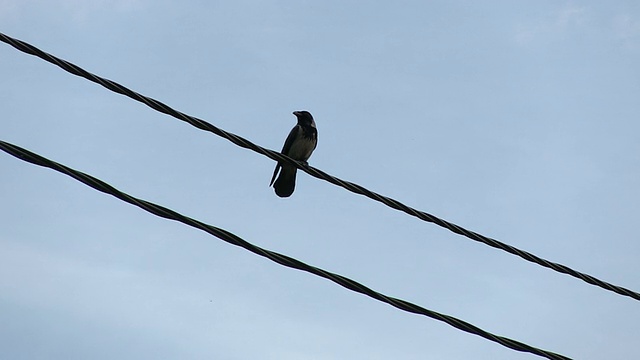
x,y
242,142
281,259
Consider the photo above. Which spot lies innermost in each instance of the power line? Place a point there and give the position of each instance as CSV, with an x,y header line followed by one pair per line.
x,y
242,142
281,259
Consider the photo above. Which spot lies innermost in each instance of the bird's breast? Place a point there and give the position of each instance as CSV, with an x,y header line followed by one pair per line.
x,y
302,148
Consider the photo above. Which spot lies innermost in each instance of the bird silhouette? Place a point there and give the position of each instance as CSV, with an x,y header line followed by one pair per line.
x,y
300,143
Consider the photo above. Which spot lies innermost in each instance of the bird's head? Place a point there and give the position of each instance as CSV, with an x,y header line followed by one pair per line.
x,y
304,117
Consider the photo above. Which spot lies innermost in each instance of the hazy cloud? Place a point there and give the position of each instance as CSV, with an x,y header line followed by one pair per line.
x,y
627,29
554,26
77,10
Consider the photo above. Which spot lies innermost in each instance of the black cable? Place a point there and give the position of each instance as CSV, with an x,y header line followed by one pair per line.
x,y
281,259
242,142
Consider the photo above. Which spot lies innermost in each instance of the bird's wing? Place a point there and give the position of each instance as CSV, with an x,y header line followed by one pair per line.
x,y
293,134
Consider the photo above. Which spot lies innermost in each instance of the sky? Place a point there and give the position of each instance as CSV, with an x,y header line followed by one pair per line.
x,y
517,120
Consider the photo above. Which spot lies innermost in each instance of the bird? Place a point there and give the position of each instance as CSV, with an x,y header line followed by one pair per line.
x,y
300,143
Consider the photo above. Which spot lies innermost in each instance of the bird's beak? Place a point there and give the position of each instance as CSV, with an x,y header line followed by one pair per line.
x,y
296,113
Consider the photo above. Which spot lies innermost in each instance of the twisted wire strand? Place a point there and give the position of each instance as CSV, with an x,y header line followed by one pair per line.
x,y
281,259
242,142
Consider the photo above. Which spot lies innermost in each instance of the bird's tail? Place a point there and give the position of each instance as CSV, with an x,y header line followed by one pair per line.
x,y
286,182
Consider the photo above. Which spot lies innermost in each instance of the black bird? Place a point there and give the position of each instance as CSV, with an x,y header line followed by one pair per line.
x,y
300,143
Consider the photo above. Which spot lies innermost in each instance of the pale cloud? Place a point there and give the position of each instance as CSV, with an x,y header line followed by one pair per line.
x,y
60,283
555,26
627,29
8,8
76,10
82,11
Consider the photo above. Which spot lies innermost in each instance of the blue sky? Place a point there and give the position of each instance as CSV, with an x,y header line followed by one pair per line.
x,y
518,120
